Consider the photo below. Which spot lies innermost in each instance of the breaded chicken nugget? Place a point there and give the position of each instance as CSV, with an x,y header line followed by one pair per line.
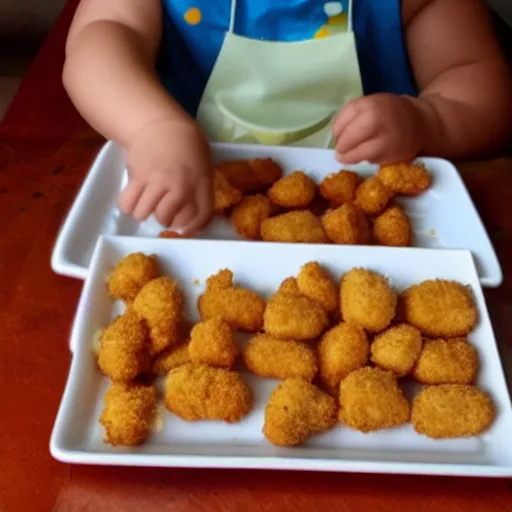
x,y
225,195
397,349
440,308
170,234
372,196
393,228
212,342
128,413
199,392
131,274
452,410
242,309
346,225
294,317
270,357
160,304
289,286
295,411
315,282
124,348
297,190
446,362
371,399
340,188
294,227
342,350
248,215
251,176
405,179
171,358
367,300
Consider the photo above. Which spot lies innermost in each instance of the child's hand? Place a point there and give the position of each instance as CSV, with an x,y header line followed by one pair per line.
x,y
381,128
170,173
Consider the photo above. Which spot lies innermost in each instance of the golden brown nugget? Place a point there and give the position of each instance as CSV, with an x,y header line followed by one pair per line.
x,y
225,195
340,188
440,308
370,399
405,179
372,196
295,191
452,410
171,358
160,304
170,234
128,413
392,228
212,342
346,225
343,349
397,349
289,286
241,308
294,317
294,227
446,362
131,274
251,176
295,411
199,392
315,282
248,215
272,358
367,300
124,348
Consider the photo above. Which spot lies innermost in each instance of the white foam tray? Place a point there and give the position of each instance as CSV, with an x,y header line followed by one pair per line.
x,y
77,436
443,217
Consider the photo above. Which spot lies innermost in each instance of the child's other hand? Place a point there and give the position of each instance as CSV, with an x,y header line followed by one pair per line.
x,y
380,128
170,175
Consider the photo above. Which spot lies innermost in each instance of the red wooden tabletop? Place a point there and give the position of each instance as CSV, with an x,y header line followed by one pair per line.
x,y
45,151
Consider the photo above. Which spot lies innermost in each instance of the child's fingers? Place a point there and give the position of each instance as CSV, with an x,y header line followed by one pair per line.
x,y
168,207
147,202
347,115
130,196
204,203
185,216
371,151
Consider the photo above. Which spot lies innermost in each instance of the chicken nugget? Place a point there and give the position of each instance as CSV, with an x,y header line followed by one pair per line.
x,y
340,188
225,195
446,362
241,308
346,225
168,233
289,286
124,348
405,179
273,358
295,411
160,304
171,358
393,228
199,392
295,191
370,399
440,308
128,413
248,215
212,342
397,349
343,349
294,227
251,176
131,274
452,410
316,283
367,300
294,317
372,196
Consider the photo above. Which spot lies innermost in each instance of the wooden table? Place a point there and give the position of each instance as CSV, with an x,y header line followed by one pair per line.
x,y
45,151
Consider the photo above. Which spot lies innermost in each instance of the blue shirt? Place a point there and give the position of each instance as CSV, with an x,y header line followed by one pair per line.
x,y
194,31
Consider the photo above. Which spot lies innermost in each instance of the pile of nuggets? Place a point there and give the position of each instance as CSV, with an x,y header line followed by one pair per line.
x,y
341,351
343,209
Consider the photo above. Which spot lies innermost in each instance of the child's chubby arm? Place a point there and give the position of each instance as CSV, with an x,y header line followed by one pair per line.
x,y
464,108
110,75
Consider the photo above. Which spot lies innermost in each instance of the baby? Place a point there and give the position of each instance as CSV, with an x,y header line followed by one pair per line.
x,y
379,80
